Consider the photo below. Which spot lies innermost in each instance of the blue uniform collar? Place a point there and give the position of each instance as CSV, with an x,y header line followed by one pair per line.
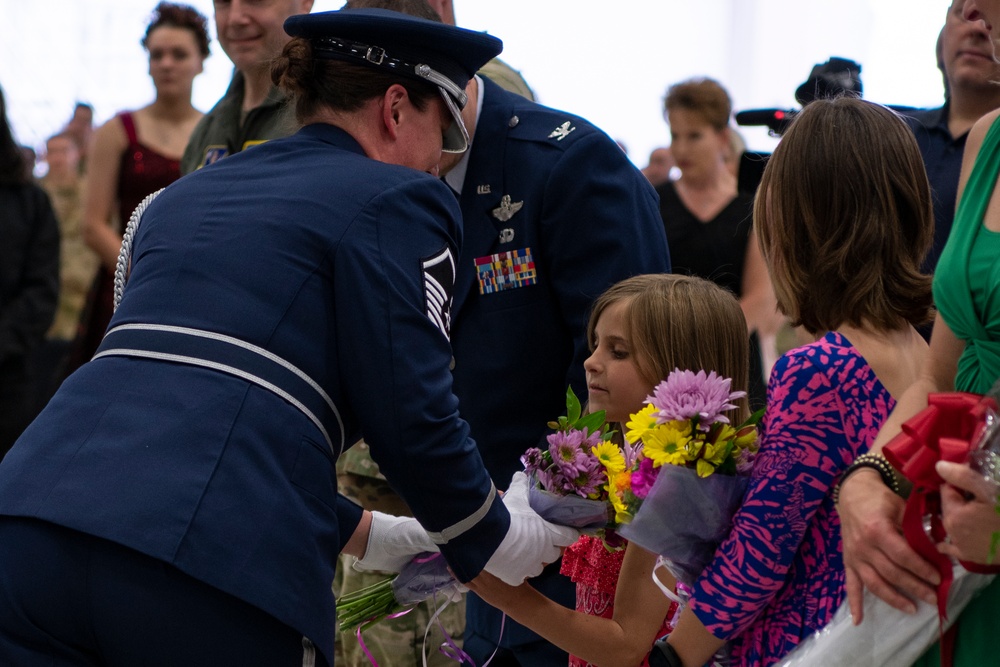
x,y
333,135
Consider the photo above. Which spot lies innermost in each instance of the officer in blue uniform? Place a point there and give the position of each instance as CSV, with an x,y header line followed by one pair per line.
x,y
553,214
175,503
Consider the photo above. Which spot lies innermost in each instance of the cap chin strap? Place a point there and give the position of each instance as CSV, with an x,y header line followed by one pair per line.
x,y
456,137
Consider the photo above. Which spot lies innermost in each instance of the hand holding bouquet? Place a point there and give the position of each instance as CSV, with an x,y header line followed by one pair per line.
x,y
568,494
569,481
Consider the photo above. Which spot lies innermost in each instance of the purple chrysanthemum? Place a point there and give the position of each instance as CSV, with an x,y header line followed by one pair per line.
x,y
697,396
533,460
575,470
570,450
744,461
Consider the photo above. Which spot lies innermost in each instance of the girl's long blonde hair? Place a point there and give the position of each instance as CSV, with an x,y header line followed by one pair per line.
x,y
674,321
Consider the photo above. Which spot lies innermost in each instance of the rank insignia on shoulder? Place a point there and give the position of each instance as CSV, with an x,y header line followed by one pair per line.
x,y
505,270
507,209
562,131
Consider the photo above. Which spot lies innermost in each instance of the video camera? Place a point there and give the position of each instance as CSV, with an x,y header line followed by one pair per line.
x,y
834,77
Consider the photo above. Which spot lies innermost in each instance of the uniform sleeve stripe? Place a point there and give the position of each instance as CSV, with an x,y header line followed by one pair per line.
x,y
466,524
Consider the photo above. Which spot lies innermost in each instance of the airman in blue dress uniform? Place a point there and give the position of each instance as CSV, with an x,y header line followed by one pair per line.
x,y
176,501
553,214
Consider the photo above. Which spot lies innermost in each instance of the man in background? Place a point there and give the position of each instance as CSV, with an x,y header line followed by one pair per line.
x,y
496,70
972,89
77,265
252,110
80,127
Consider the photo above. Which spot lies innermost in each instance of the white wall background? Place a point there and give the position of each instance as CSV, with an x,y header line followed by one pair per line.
x,y
607,61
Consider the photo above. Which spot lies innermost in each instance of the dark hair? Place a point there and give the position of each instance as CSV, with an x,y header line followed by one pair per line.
x,y
315,83
179,16
419,8
705,97
844,217
13,167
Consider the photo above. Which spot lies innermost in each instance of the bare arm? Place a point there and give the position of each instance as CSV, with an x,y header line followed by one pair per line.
x,y
623,640
692,640
759,304
876,555
104,165
358,543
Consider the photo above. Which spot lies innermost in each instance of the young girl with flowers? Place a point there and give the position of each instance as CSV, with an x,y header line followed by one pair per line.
x,y
640,330
844,217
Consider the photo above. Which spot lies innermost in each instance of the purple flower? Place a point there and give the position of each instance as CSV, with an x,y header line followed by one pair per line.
x,y
533,461
570,450
643,478
590,479
744,461
699,397
574,470
544,478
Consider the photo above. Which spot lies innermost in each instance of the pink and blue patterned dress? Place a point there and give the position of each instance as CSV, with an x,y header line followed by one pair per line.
x,y
779,576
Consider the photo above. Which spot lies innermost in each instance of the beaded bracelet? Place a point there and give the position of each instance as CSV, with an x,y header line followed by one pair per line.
x,y
876,462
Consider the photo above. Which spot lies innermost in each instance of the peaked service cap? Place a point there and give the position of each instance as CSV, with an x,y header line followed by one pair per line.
x,y
436,53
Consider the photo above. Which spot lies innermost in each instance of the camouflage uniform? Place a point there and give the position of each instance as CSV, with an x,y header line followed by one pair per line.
x,y
396,642
77,263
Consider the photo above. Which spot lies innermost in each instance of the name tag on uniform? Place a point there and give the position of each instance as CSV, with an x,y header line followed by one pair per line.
x,y
505,270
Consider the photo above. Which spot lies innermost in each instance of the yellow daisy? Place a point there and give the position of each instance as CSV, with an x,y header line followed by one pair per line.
x,y
640,423
610,456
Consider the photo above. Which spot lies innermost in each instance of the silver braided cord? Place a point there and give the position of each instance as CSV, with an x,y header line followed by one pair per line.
x,y
125,254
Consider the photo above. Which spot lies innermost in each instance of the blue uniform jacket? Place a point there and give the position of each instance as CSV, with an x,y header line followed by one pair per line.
x,y
331,261
585,219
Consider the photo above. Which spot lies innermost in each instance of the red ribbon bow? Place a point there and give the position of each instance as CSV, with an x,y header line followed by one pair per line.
x,y
944,431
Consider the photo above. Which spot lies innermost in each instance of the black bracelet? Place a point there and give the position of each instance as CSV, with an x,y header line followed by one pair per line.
x,y
664,655
875,462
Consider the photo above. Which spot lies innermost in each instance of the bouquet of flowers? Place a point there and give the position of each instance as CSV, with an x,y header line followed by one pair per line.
x,y
954,427
689,471
569,476
568,490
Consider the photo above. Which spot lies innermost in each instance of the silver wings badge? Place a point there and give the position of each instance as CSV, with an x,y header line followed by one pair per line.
x,y
507,209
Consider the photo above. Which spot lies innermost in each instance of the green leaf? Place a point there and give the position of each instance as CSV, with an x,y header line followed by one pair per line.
x,y
593,422
752,420
572,406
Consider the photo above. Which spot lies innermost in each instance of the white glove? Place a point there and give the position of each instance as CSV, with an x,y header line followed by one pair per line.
x,y
393,541
531,542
